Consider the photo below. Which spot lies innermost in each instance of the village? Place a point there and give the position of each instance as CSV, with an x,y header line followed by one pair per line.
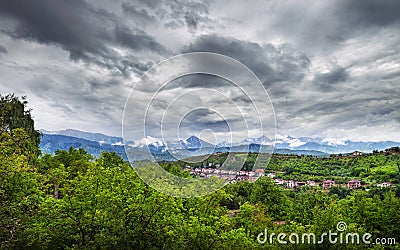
x,y
232,176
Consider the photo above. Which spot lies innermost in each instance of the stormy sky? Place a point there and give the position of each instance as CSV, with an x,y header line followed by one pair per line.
x,y
331,68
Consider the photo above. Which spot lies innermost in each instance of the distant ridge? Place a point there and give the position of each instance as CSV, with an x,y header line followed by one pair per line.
x,y
95,143
51,142
85,135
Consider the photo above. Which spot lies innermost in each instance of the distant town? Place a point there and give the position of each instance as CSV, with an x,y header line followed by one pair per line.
x,y
242,175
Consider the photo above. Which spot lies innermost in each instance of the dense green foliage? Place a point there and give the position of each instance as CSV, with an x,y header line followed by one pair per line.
x,y
71,201
250,160
15,114
369,168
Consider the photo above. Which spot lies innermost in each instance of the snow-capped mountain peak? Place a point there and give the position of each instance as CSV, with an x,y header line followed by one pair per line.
x,y
193,142
335,141
149,141
292,142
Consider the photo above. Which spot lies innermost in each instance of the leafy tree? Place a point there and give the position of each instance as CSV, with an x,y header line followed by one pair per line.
x,y
253,219
340,191
14,113
266,192
239,193
19,185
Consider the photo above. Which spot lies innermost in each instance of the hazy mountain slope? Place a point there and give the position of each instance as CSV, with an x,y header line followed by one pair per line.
x,y
95,143
51,143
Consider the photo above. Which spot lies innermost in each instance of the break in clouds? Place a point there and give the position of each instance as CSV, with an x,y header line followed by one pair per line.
x,y
331,68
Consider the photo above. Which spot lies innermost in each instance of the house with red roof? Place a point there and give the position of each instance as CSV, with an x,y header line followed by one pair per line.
x,y
353,184
328,184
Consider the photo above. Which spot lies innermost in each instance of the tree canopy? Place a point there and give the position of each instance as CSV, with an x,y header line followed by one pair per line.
x,y
14,113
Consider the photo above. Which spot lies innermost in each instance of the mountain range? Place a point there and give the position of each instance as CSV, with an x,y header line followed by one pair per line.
x,y
95,143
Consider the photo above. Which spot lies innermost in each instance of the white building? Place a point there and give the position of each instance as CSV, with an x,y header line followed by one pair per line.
x,y
311,183
291,184
386,184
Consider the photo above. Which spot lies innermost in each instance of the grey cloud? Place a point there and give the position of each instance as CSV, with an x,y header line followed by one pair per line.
x,y
135,63
174,24
174,14
140,16
196,13
370,12
193,15
191,21
206,119
281,90
271,64
148,3
242,99
81,29
327,81
199,80
3,50
201,119
327,25
346,108
137,40
39,20
101,98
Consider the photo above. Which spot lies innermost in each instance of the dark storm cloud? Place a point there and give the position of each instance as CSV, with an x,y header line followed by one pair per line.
x,y
328,24
75,29
148,3
135,63
3,50
327,81
346,109
137,40
199,80
355,17
196,13
204,119
139,15
370,12
270,63
193,13
242,99
86,32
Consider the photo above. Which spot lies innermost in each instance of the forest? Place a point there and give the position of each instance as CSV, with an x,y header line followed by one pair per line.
x,y
71,200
